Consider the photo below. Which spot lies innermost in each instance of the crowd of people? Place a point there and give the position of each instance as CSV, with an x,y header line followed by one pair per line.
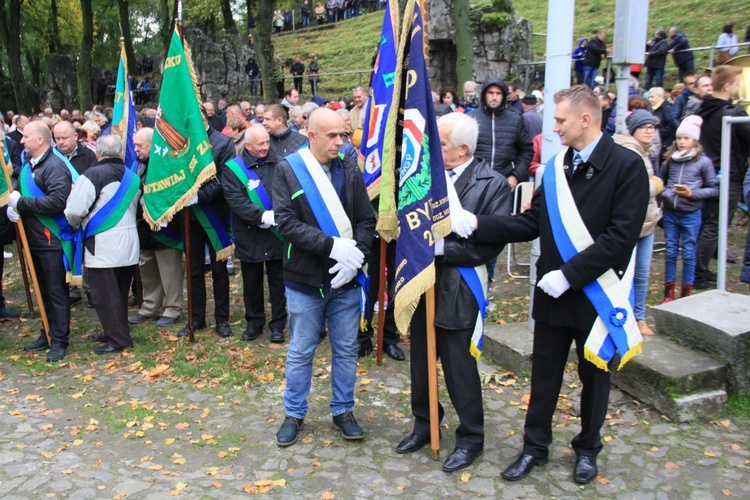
x,y
289,185
325,12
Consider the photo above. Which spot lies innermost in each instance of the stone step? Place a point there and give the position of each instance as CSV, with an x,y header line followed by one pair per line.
x,y
680,383
714,323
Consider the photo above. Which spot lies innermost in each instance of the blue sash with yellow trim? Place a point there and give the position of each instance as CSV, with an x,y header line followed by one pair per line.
x,y
111,212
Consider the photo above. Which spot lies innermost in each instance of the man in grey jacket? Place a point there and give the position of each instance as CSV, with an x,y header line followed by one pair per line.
x,y
104,202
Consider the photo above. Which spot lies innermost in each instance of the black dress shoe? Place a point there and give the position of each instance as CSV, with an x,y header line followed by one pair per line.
x,y
289,431
108,349
7,313
100,337
39,344
365,349
251,333
394,352
703,284
412,443
277,336
223,329
522,466
56,353
186,332
585,469
461,458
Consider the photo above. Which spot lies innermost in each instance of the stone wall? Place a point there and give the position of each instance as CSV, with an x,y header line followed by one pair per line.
x,y
62,85
219,64
502,42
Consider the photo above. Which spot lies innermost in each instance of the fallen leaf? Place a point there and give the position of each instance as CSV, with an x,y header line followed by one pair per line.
x,y
671,466
217,485
465,477
169,441
736,447
179,461
181,486
607,439
709,454
77,395
156,467
182,426
66,471
249,488
78,442
601,480
654,448
726,493
327,496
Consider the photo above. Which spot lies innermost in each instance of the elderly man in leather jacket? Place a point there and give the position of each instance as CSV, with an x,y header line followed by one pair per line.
x,y
482,189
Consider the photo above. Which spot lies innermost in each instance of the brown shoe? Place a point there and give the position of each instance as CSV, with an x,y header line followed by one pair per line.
x,y
644,328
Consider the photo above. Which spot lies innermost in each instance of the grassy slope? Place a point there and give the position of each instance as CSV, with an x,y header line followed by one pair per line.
x,y
348,45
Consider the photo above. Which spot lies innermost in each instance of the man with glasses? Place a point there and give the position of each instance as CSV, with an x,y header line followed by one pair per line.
x,y
247,112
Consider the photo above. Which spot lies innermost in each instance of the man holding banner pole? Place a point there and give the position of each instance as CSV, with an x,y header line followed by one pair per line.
x,y
460,295
588,215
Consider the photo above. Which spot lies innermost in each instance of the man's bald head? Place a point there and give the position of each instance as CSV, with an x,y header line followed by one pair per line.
x,y
257,140
142,143
326,131
66,137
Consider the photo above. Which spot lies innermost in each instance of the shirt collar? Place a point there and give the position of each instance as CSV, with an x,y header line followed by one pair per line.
x,y
585,153
460,169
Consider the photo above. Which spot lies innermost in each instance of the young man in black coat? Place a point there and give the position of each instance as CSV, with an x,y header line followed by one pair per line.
x,y
481,190
610,189
257,241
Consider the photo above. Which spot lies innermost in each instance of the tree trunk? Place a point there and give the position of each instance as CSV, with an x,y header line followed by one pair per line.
x,y
55,44
264,49
35,67
166,26
250,4
84,61
464,41
10,35
230,27
124,8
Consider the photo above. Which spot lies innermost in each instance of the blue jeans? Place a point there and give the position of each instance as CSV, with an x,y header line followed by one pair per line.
x,y
589,76
654,72
678,226
306,313
643,251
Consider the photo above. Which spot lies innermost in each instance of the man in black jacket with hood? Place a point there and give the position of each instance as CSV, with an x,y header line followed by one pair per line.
x,y
257,241
504,142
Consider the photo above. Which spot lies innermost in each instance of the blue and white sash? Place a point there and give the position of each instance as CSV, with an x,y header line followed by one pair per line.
x,y
476,278
615,327
327,208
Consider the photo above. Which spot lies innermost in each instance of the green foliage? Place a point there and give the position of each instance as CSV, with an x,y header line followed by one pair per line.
x,y
494,20
739,405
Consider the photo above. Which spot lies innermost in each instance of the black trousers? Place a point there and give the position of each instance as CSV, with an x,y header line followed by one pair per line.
x,y
298,82
709,237
110,288
50,272
390,334
461,378
550,354
198,241
252,291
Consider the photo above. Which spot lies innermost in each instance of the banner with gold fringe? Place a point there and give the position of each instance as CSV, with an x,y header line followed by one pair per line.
x,y
423,213
181,158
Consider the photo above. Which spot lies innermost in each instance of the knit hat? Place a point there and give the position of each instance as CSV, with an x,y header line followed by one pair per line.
x,y
691,127
639,118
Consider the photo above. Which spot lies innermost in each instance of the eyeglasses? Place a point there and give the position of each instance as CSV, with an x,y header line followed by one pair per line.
x,y
648,128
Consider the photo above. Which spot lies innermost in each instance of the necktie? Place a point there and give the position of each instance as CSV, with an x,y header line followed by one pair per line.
x,y
577,160
452,175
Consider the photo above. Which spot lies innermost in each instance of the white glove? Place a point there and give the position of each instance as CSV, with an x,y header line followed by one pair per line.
x,y
344,275
12,214
345,252
440,247
267,219
192,201
14,195
163,223
463,222
554,283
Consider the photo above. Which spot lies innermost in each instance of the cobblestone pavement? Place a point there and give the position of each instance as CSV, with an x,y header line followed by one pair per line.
x,y
95,432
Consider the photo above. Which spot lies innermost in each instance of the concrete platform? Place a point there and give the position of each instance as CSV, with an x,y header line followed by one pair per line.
x,y
678,382
716,323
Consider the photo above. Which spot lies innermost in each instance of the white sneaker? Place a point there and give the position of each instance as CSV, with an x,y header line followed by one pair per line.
x,y
7,255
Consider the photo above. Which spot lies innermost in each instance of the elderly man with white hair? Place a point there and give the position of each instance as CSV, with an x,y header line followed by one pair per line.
x,y
461,264
103,203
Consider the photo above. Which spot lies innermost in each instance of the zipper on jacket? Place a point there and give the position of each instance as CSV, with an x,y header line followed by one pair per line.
x,y
679,179
492,158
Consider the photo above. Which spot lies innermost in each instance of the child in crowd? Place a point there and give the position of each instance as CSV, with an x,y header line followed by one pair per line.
x,y
689,178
